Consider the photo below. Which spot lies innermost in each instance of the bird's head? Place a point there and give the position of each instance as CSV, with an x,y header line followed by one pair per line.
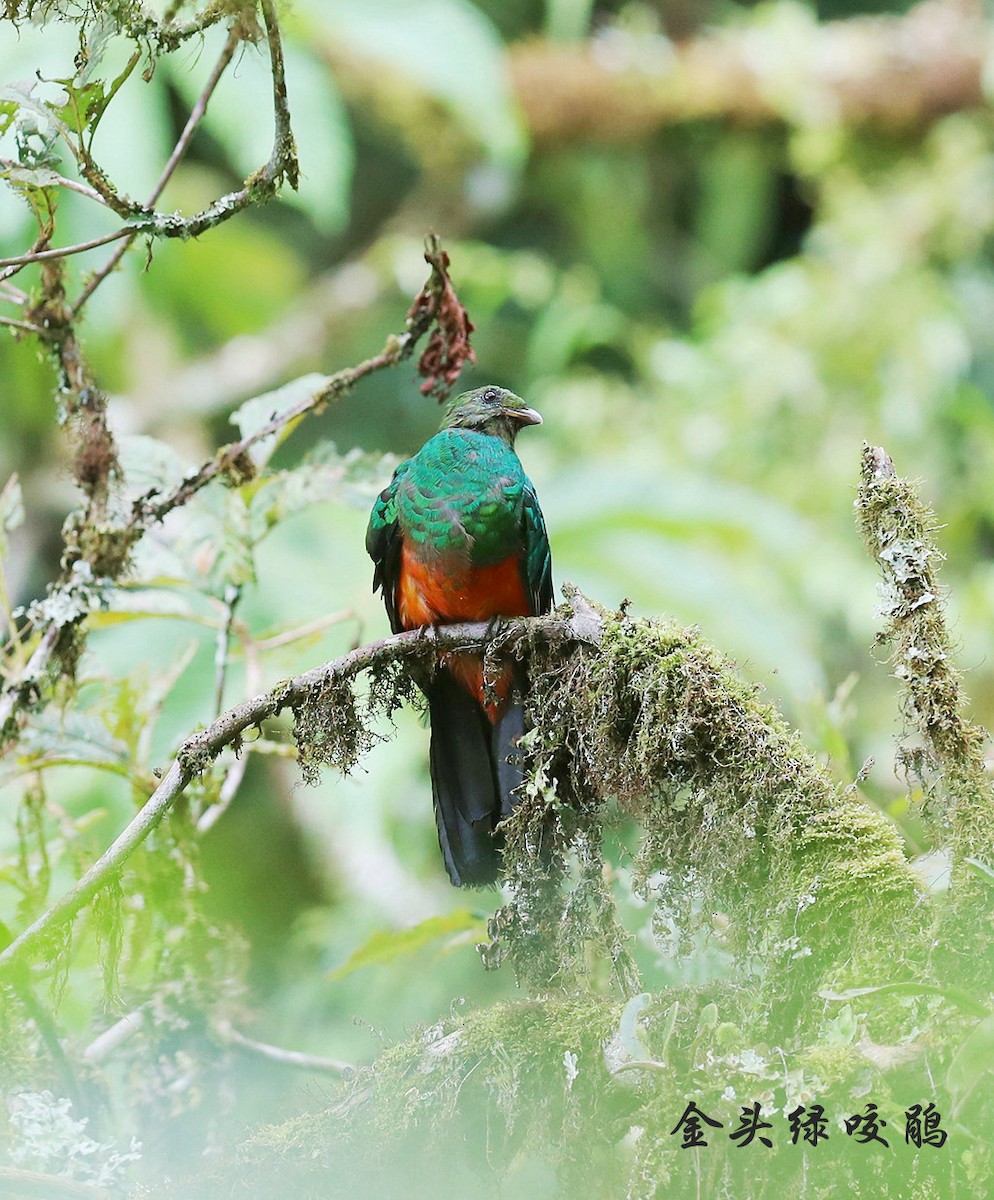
x,y
490,410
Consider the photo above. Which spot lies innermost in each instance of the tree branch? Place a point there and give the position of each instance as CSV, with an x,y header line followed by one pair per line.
x,y
22,692
142,219
201,749
899,532
36,256
895,74
286,1058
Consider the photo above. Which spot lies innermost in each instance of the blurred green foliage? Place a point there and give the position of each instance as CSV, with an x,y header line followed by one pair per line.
x,y
712,318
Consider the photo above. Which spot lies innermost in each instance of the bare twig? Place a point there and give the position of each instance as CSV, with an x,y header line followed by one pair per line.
x,y
229,789
34,256
26,326
231,597
115,1035
303,631
13,294
196,115
199,750
286,1058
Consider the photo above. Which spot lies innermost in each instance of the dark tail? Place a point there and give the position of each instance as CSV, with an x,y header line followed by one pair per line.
x,y
474,769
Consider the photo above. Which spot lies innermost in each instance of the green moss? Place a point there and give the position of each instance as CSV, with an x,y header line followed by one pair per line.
x,y
738,818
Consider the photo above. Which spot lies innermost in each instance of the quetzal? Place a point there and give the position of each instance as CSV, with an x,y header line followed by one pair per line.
x,y
458,535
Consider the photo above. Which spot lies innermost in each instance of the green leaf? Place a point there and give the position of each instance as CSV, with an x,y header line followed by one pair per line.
x,y
973,1060
957,996
81,105
254,414
387,946
352,479
8,112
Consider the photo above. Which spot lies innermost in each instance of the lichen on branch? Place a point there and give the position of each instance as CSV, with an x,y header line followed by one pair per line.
x,y
941,747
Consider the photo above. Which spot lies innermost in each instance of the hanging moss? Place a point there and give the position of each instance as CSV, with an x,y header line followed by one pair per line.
x,y
738,818
333,726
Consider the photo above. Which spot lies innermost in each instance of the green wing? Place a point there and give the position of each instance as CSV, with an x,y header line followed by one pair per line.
x,y
536,565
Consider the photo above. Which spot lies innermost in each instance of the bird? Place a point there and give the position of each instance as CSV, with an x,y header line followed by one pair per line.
x,y
458,535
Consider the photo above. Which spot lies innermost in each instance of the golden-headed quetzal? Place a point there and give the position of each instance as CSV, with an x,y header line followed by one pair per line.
x,y
459,536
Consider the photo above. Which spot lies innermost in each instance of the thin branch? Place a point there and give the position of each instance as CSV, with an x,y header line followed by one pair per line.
x,y
33,256
196,115
12,323
12,293
229,789
149,509
115,1035
231,597
201,749
286,1058
303,631
40,242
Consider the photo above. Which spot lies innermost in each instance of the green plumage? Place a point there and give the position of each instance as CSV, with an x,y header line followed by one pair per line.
x,y
462,495
461,505
465,499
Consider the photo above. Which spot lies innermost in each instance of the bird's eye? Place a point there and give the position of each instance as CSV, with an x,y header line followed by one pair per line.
x,y
490,395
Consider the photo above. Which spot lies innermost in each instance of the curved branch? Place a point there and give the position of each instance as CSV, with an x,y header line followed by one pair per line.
x,y
141,219
194,119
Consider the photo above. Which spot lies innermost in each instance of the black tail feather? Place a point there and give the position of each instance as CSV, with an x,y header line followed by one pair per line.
x,y
474,768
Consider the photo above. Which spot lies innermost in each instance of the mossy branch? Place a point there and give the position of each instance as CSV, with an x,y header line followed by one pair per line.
x,y
894,75
738,817
262,185
313,692
734,808
899,532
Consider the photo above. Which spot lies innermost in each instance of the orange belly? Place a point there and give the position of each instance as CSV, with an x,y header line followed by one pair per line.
x,y
427,595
